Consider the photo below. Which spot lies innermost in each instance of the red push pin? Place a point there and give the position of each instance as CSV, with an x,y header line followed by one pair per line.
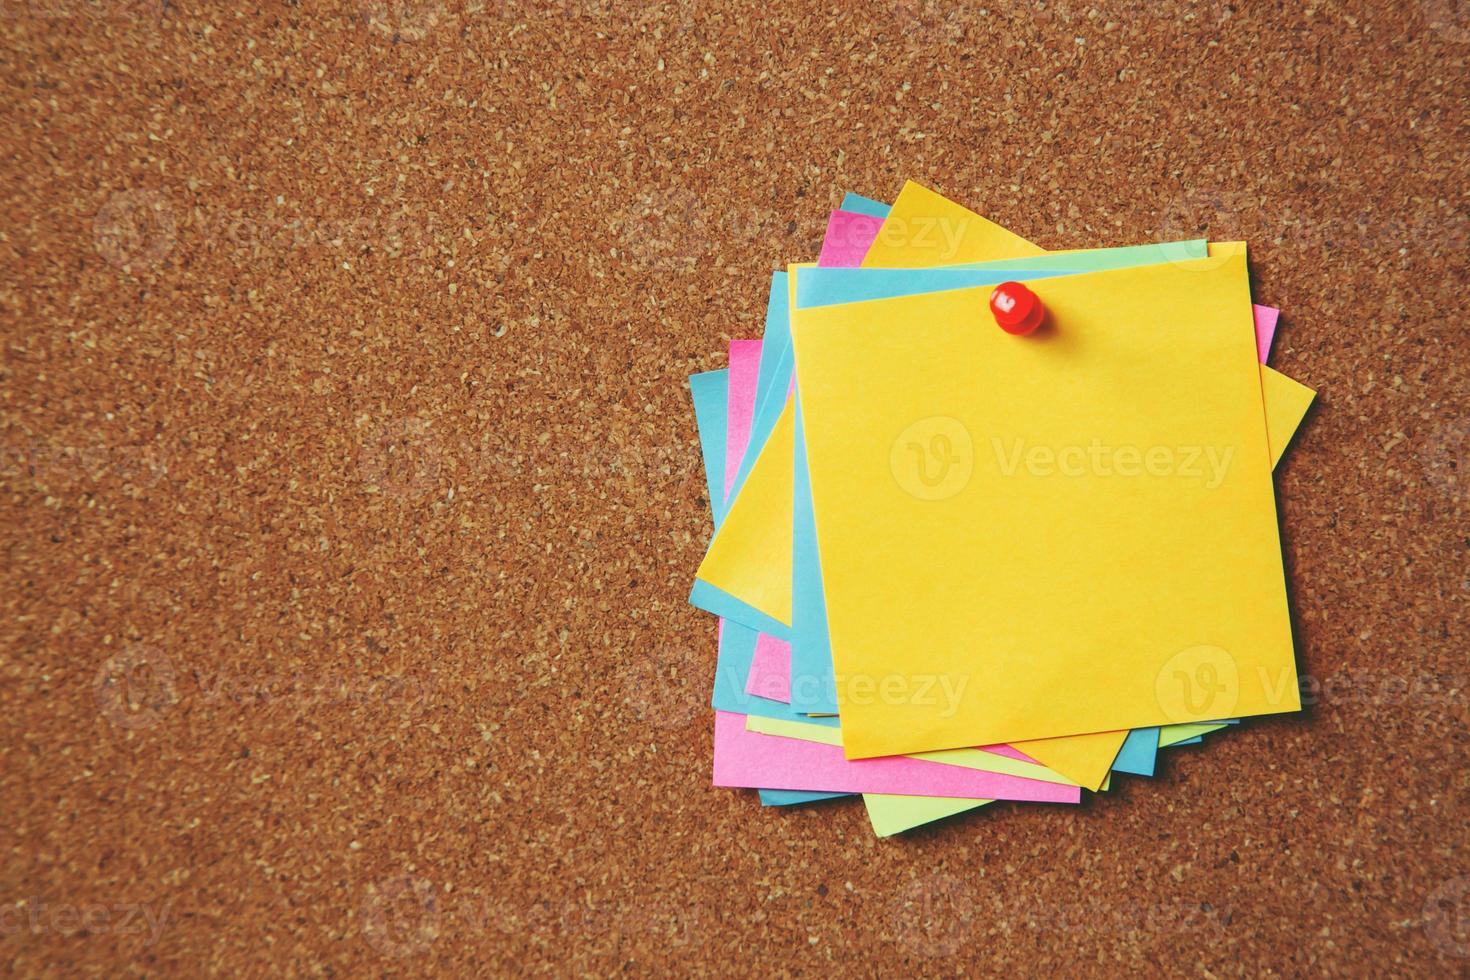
x,y
1016,308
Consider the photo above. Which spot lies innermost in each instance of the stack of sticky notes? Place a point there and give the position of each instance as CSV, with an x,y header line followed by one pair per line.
x,y
953,565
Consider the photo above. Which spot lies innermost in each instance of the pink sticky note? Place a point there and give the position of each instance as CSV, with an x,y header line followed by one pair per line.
x,y
1266,317
745,362
751,760
849,236
770,670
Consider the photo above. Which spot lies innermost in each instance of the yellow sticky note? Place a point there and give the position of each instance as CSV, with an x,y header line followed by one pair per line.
x,y
750,557
926,229
1084,759
1287,402
1087,759
1075,527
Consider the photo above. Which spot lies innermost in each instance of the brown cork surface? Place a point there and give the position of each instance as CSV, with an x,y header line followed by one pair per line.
x,y
351,492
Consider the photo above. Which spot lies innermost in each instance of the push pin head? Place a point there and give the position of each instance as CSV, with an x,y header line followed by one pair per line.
x,y
1016,308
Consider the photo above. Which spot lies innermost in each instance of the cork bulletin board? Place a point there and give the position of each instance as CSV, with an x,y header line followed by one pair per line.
x,y
344,423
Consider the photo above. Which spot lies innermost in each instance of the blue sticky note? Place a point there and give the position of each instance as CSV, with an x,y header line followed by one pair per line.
x,y
737,642
811,647
1140,751
732,671
827,287
711,410
773,380
792,797
858,204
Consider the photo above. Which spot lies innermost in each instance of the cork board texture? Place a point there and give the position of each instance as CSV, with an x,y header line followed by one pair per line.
x,y
344,415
